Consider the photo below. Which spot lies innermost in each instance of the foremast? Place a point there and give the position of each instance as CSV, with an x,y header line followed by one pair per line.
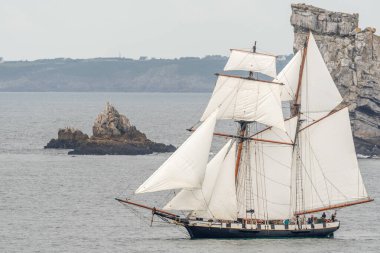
x,y
242,134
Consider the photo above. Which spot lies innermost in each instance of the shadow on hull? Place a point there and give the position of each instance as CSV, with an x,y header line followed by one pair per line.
x,y
196,232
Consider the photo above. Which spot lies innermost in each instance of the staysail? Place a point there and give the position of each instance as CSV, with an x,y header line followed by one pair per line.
x,y
319,94
198,199
252,61
246,99
289,77
217,198
186,167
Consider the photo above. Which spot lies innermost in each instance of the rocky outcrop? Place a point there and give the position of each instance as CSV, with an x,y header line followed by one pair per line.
x,y
352,56
68,138
113,134
112,125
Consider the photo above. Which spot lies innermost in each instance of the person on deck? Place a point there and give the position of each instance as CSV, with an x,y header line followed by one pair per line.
x,y
298,220
323,216
333,216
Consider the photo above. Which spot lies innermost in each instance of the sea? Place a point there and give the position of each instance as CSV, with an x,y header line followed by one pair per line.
x,y
54,202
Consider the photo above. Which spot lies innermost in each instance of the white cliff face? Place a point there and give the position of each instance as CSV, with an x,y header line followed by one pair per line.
x,y
352,56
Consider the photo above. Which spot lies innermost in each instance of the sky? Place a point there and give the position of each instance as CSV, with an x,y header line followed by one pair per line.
x,y
39,29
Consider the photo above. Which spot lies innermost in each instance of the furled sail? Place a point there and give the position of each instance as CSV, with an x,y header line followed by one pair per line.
x,y
246,99
330,172
250,61
265,179
198,199
186,167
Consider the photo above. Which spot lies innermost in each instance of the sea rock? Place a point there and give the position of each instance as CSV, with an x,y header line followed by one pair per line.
x,y
113,147
352,56
113,134
68,138
111,125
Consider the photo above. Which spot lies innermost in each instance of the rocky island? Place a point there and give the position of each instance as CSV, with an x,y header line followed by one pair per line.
x,y
352,56
113,134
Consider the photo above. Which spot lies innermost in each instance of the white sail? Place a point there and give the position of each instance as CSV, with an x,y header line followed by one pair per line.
x,y
245,99
330,169
266,178
289,76
186,167
198,199
223,203
249,61
319,93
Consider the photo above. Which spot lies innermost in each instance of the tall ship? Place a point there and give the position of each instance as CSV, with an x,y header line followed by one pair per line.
x,y
274,176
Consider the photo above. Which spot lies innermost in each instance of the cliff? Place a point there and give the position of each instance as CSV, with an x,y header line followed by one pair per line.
x,y
113,134
352,56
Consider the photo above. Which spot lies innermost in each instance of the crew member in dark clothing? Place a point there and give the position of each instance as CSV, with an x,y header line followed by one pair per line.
x,y
298,221
324,216
333,216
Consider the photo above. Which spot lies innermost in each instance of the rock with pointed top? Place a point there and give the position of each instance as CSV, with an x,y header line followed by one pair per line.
x,y
113,134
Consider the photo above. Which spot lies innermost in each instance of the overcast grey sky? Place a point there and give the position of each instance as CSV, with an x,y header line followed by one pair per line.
x,y
34,29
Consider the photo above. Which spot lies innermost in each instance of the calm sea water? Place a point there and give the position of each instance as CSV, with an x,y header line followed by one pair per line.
x,y
53,202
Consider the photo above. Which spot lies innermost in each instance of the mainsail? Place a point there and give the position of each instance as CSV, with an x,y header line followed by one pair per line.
x,y
252,61
330,169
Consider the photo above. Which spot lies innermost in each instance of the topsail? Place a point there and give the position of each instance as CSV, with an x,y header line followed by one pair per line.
x,y
252,61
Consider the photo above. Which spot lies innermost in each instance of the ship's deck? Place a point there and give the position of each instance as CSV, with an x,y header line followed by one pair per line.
x,y
203,229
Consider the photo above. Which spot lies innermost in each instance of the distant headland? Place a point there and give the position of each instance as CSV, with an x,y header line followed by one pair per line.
x,y
185,74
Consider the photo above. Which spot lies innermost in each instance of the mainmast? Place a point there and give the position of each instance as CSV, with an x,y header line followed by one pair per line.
x,y
297,112
297,99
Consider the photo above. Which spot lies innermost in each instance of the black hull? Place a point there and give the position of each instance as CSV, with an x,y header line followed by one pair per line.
x,y
198,232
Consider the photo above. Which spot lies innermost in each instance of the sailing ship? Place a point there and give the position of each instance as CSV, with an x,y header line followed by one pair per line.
x,y
274,173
